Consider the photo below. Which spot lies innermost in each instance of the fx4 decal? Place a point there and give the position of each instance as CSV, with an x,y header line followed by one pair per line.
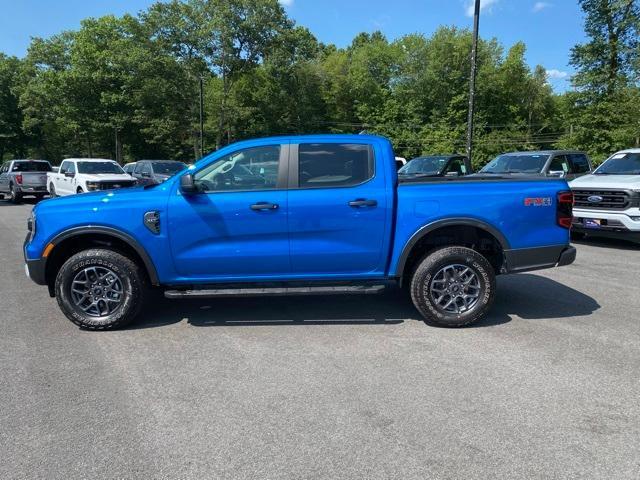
x,y
537,202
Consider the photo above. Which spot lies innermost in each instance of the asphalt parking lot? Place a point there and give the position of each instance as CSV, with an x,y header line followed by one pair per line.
x,y
548,386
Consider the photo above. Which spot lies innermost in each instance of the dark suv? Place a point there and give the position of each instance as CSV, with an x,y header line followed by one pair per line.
x,y
567,164
152,172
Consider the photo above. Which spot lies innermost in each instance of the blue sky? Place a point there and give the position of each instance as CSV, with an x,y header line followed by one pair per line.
x,y
549,28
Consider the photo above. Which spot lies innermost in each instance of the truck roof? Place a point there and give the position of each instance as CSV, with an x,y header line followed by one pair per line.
x,y
88,160
544,152
629,150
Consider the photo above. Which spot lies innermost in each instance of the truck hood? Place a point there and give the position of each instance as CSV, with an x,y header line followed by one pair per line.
x,y
108,177
607,181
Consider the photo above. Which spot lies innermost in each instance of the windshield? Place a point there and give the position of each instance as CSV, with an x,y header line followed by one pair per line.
x,y
620,164
168,168
31,167
510,163
99,167
424,165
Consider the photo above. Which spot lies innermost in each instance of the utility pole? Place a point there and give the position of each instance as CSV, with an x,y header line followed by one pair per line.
x,y
118,148
472,83
201,118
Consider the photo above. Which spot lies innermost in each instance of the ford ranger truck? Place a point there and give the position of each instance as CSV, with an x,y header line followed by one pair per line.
x,y
299,215
607,203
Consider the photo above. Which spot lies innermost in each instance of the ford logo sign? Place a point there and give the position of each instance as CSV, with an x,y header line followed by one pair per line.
x,y
595,199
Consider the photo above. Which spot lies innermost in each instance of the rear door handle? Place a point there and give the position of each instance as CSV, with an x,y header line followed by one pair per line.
x,y
361,202
264,206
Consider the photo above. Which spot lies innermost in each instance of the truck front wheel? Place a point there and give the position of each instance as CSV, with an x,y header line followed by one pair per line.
x,y
453,286
101,289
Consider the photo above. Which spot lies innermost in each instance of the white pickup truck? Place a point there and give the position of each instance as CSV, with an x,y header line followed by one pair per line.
x,y
79,175
607,202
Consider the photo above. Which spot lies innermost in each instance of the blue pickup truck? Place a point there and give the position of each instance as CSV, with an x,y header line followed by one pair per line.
x,y
319,214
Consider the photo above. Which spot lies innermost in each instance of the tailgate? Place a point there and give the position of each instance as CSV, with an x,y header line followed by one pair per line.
x,y
34,179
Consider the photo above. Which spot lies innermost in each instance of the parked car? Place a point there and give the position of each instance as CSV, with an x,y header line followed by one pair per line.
x,y
151,172
435,166
19,178
554,163
80,175
607,203
129,167
332,220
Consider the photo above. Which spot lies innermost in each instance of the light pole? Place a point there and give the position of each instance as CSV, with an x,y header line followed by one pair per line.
x,y
472,83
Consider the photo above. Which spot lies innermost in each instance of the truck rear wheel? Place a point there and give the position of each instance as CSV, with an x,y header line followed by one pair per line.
x,y
453,286
101,289
14,196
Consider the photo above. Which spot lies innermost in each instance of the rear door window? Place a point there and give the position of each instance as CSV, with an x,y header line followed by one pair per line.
x,y
322,165
579,162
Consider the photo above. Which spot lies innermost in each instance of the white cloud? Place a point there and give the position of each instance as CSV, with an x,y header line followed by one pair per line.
x,y
286,3
484,5
539,6
554,74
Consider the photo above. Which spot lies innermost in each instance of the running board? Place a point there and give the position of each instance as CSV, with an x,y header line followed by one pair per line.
x,y
275,291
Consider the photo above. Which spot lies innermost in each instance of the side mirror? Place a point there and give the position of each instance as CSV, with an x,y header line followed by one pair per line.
x,y
188,185
556,173
69,174
452,174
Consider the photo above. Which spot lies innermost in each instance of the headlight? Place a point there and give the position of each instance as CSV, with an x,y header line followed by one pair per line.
x,y
93,185
31,225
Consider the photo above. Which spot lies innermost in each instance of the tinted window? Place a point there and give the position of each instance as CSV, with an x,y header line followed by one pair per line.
x,y
63,167
580,163
31,167
146,168
99,167
457,166
334,164
129,167
249,169
71,168
510,163
168,168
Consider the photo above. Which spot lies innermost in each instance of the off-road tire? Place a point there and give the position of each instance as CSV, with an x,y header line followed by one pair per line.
x,y
434,262
135,288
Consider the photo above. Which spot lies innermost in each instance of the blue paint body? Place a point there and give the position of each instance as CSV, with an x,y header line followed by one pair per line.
x,y
313,235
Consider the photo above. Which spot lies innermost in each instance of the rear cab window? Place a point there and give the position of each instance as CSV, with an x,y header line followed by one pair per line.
x,y
33,166
324,165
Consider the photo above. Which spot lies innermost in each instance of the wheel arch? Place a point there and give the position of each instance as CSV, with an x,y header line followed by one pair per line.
x,y
76,239
461,226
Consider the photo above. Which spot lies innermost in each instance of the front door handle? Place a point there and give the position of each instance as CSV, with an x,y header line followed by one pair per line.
x,y
361,202
264,206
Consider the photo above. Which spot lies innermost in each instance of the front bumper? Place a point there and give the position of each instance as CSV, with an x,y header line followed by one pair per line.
x,y
621,225
35,270
528,259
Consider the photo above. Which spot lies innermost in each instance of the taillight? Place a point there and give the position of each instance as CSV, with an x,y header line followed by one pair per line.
x,y
19,179
564,209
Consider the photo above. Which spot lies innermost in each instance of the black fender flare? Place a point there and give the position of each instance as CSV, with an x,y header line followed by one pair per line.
x,y
113,232
447,222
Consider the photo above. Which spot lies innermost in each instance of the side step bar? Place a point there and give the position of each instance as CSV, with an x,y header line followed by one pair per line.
x,y
275,291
